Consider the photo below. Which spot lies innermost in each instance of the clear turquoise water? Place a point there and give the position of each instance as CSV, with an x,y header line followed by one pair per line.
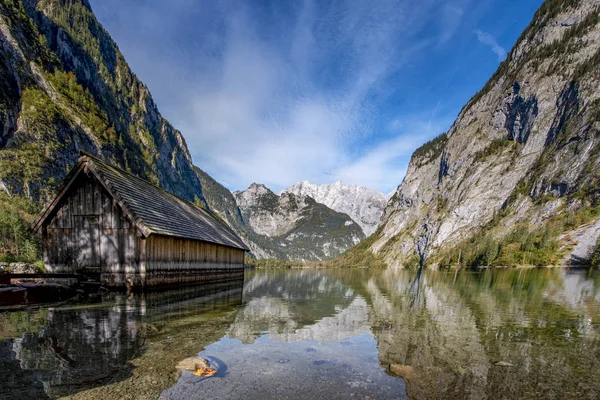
x,y
521,333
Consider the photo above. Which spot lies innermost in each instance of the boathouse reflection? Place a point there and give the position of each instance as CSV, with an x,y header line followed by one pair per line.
x,y
90,345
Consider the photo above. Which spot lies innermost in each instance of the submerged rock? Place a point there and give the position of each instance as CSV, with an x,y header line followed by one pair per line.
x,y
196,365
404,371
192,364
503,364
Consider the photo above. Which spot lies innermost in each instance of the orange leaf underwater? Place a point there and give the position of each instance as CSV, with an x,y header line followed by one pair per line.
x,y
205,372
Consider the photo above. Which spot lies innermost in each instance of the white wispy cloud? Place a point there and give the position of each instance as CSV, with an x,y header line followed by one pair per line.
x,y
384,166
490,40
289,92
279,117
451,16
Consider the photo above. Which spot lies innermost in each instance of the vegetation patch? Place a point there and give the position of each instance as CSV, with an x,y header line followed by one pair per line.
x,y
414,261
524,245
271,263
83,102
28,161
430,150
17,242
496,146
595,254
30,40
356,256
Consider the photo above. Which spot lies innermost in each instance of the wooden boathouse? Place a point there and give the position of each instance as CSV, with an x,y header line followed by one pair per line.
x,y
132,233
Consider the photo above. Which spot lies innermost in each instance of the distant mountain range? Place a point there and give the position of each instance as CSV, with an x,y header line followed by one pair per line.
x,y
288,226
302,228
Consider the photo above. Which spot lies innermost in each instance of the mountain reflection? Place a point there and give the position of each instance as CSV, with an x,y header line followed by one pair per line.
x,y
504,334
494,334
521,333
299,305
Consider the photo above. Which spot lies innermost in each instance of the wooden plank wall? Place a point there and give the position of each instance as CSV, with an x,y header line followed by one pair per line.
x,y
189,253
175,261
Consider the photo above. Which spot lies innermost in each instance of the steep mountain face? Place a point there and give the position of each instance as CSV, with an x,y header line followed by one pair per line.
x,y
65,87
221,201
519,169
264,212
302,228
364,206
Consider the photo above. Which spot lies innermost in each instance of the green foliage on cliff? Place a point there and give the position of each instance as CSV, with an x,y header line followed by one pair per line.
x,y
83,103
494,147
30,40
548,10
27,161
111,95
80,23
17,243
430,150
595,255
523,245
568,44
356,256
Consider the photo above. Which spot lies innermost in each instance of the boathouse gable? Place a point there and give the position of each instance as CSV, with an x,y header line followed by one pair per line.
x,y
88,230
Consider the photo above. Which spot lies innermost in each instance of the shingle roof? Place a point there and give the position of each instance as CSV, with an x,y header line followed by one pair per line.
x,y
157,211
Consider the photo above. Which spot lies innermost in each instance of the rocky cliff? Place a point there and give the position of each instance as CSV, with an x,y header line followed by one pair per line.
x,y
65,87
365,206
302,228
519,169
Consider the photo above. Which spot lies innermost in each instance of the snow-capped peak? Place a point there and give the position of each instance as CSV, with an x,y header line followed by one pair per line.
x,y
365,206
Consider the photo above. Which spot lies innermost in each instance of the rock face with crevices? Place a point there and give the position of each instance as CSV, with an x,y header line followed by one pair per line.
x,y
365,206
525,151
302,228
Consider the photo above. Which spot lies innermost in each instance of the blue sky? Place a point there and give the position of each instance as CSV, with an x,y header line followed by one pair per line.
x,y
281,91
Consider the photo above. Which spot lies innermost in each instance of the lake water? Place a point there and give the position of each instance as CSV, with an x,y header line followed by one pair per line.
x,y
327,334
